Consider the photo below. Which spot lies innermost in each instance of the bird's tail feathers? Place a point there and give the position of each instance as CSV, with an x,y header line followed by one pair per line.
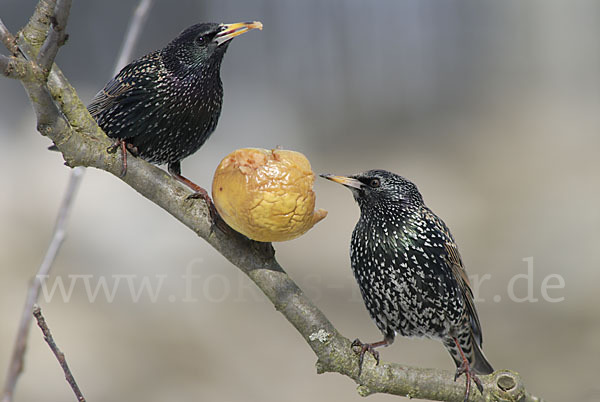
x,y
480,363
472,351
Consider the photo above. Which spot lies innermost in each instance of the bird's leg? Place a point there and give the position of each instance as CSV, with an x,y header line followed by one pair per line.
x,y
118,143
199,192
465,368
175,170
368,347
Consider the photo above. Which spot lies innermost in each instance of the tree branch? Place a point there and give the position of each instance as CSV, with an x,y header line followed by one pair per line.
x,y
137,22
18,68
15,67
60,356
17,361
56,35
7,38
82,143
47,114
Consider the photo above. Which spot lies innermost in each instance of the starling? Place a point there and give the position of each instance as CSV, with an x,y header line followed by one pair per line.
x,y
164,105
410,273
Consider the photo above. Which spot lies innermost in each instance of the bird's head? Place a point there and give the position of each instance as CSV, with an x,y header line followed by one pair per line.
x,y
205,43
380,188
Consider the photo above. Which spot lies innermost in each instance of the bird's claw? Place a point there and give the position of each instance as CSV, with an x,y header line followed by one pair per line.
x,y
121,144
466,370
364,348
113,148
478,383
195,196
216,220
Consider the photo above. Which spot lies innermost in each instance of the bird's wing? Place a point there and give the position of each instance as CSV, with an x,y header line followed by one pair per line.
x,y
108,95
460,275
127,88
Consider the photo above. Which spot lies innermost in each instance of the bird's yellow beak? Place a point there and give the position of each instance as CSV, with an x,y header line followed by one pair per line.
x,y
344,180
230,31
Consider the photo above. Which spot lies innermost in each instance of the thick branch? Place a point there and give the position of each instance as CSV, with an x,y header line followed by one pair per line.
x,y
56,35
83,144
7,38
18,68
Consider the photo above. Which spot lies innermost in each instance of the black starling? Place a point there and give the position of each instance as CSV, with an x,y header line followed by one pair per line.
x,y
165,105
410,273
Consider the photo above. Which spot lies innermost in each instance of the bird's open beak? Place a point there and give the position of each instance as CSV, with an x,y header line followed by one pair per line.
x,y
346,181
230,31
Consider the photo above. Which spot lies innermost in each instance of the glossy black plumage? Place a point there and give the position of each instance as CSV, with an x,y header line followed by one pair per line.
x,y
409,270
165,105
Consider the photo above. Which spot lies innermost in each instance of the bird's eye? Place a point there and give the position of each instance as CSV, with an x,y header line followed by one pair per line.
x,y
374,183
200,39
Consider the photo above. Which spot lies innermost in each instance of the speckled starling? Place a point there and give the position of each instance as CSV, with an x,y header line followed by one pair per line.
x,y
165,105
410,273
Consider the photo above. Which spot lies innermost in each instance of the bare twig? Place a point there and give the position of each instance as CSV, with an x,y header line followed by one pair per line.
x,y
58,235
60,356
131,37
56,35
7,38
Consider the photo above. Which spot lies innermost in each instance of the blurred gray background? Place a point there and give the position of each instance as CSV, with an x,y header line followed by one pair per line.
x,y
492,108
